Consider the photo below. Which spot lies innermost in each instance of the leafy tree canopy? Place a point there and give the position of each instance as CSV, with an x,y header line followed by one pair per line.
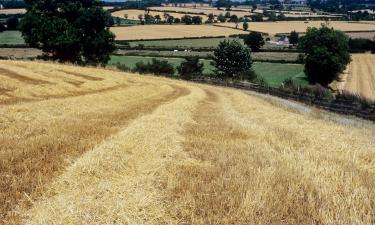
x,y
232,60
254,40
293,38
327,54
73,31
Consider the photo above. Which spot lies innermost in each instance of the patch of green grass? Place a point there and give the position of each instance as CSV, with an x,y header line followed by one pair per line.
x,y
130,61
273,73
11,38
188,43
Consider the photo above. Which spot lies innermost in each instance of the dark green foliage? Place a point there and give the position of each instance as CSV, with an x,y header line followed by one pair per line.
x,y
211,18
326,54
293,38
196,20
233,19
2,27
158,67
257,18
221,18
122,67
360,45
170,19
177,20
12,23
254,40
245,26
73,31
232,60
223,4
187,20
281,17
190,68
13,4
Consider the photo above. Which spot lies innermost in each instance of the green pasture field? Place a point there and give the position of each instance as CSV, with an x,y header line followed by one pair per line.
x,y
273,73
188,43
11,38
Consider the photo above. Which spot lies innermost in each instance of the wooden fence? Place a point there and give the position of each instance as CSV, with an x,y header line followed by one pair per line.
x,y
338,105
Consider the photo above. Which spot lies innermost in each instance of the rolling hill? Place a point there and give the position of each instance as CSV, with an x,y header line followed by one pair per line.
x,y
95,146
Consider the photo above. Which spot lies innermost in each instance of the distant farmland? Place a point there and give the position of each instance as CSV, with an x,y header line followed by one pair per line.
x,y
201,10
133,14
301,26
171,31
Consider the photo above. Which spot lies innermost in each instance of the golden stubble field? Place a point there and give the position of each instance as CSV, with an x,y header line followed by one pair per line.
x,y
133,14
360,78
12,11
171,31
94,146
301,26
204,10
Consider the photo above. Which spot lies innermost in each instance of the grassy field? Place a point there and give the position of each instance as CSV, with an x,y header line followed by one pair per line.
x,y
130,61
11,38
94,146
301,26
171,31
361,76
197,43
273,73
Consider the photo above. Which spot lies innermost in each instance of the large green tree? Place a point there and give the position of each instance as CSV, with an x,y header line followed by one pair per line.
x,y
69,31
254,40
327,54
232,60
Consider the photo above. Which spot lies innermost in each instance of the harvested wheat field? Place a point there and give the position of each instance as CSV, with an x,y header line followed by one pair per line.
x,y
133,14
93,146
360,78
148,32
200,10
12,11
284,27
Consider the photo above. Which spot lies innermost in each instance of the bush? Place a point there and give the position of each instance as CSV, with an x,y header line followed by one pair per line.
x,y
190,68
245,26
158,67
187,20
12,23
301,58
122,67
2,27
196,20
360,45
